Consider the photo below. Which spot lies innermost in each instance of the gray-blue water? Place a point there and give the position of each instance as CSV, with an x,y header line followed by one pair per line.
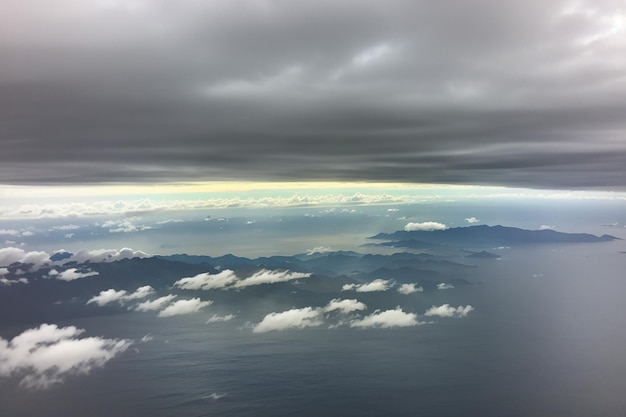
x,y
547,338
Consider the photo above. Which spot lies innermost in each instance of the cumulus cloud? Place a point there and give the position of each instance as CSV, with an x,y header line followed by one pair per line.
x,y
472,220
157,304
344,306
4,271
11,232
106,255
217,319
124,226
409,289
444,286
74,273
266,276
66,227
387,319
318,249
373,286
425,226
9,282
11,255
294,318
227,279
48,354
546,227
446,310
206,281
182,307
111,295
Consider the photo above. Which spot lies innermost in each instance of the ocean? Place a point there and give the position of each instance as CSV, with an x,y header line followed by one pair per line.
x,y
546,338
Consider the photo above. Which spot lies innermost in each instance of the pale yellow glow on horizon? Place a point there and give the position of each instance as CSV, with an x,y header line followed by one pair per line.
x,y
97,190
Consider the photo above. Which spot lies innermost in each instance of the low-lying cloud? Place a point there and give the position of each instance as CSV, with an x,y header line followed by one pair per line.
x,y
227,279
74,273
157,304
425,226
446,310
409,289
184,307
111,295
294,318
387,319
48,354
376,285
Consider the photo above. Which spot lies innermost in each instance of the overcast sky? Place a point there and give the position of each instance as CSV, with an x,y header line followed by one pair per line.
x,y
516,93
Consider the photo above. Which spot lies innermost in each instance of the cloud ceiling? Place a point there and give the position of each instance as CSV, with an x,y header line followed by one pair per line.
x,y
481,91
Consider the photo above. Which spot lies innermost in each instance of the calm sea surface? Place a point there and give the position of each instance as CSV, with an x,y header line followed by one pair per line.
x,y
547,338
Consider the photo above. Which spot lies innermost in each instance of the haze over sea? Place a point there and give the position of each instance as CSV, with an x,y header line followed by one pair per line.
x,y
546,337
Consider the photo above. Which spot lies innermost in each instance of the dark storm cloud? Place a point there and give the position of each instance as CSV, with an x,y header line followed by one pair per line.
x,y
484,92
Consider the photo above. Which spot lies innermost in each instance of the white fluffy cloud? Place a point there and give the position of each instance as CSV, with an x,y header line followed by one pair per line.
x,y
344,306
425,226
266,276
444,286
9,282
387,319
182,307
48,354
227,279
111,295
11,255
546,227
207,281
373,286
157,304
294,318
107,255
318,249
217,319
472,220
409,289
73,273
124,226
446,310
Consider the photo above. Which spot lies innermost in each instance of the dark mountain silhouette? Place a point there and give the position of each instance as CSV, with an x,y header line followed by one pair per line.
x,y
490,235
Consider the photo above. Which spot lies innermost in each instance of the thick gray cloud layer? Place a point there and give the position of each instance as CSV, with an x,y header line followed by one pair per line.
x,y
482,91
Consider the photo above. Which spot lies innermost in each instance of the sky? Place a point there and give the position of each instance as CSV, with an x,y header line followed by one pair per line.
x,y
479,92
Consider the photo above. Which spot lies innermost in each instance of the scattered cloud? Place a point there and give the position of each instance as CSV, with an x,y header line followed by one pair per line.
x,y
183,307
318,249
106,255
111,295
345,306
227,279
294,318
206,281
157,304
48,354
546,227
9,282
11,255
147,338
472,220
266,276
217,319
444,286
409,289
74,273
387,319
66,227
10,232
446,310
124,226
425,226
373,286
